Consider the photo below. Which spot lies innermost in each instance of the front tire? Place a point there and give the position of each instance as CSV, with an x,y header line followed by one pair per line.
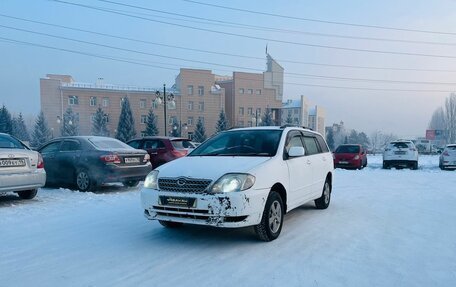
x,y
27,194
415,165
272,220
83,180
130,183
170,224
385,165
325,199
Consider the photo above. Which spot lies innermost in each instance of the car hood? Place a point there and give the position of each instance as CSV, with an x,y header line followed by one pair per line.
x,y
209,167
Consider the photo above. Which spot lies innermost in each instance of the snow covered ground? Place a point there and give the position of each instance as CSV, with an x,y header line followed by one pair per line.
x,y
383,228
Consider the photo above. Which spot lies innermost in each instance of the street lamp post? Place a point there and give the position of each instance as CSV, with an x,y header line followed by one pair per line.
x,y
165,98
255,119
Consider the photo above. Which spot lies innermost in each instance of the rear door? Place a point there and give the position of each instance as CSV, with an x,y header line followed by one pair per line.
x,y
318,162
67,159
150,145
49,153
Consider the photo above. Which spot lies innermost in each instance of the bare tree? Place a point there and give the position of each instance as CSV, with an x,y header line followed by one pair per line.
x,y
450,117
438,121
379,140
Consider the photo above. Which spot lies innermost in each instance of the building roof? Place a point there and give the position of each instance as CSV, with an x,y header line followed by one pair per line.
x,y
291,104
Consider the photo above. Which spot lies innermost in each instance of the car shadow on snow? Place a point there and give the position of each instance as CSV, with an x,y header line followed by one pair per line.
x,y
12,199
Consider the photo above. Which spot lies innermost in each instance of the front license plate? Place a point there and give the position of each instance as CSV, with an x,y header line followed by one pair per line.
x,y
12,162
178,201
131,160
343,162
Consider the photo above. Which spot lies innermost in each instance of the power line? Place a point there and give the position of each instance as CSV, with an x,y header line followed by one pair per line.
x,y
263,38
223,65
160,67
222,53
264,28
314,20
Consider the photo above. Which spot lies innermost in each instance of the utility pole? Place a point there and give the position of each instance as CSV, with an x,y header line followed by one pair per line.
x,y
164,107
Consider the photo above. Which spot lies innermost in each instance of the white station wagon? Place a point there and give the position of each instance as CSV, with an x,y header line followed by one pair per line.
x,y
242,177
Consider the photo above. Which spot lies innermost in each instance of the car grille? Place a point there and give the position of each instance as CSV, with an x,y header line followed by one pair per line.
x,y
184,184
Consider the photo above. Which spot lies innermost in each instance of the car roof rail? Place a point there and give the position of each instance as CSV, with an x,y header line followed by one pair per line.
x,y
294,126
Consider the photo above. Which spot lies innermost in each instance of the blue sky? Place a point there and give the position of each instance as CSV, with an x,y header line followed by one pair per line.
x,y
403,113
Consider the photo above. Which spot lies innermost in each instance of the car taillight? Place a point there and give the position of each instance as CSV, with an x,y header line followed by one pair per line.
x,y
40,163
146,158
413,149
446,153
178,153
110,158
387,149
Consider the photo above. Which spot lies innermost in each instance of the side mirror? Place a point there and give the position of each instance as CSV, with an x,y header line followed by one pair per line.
x,y
296,151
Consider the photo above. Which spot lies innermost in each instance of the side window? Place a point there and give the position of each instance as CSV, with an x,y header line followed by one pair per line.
x,y
52,147
150,144
70,146
160,144
135,144
323,145
293,139
311,145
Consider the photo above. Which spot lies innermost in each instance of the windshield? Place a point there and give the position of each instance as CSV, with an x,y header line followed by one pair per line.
x,y
108,143
10,142
181,144
241,143
400,145
348,149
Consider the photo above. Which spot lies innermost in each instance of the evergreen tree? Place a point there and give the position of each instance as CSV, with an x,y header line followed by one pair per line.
x,y
200,132
99,124
353,137
363,140
330,139
222,123
6,124
267,118
289,120
41,132
126,127
346,140
151,124
19,128
70,123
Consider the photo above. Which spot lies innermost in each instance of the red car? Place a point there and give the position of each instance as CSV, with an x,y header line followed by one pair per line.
x,y
162,149
350,156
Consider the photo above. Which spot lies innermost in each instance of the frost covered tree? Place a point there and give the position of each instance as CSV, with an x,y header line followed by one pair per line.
x,y
6,123
450,117
289,120
379,140
126,127
438,120
151,124
19,128
200,132
70,125
330,139
100,122
222,123
267,118
41,132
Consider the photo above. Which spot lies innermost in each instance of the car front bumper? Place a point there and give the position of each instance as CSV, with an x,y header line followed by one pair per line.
x,y
235,209
22,181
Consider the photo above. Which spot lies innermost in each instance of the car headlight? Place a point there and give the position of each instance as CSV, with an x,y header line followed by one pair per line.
x,y
151,180
233,182
356,157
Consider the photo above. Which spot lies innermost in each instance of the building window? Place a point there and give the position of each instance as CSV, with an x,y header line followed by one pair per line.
x,y
190,121
240,124
142,104
258,92
73,100
92,117
143,119
241,91
250,124
190,135
143,134
241,111
201,119
190,106
190,90
250,111
172,120
250,91
93,101
201,106
200,91
154,105
258,111
289,112
105,102
296,111
106,118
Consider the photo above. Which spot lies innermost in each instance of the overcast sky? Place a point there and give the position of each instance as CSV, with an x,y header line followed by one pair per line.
x,y
405,113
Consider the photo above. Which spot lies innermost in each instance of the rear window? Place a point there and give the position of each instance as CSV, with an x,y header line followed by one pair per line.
x,y
400,145
181,144
451,147
348,149
10,142
108,143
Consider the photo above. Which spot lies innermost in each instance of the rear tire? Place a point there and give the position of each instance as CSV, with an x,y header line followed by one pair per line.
x,y
272,220
83,181
27,194
385,165
325,199
170,224
130,183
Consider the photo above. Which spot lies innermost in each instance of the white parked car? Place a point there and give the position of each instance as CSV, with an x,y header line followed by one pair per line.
x,y
242,177
21,169
400,153
448,157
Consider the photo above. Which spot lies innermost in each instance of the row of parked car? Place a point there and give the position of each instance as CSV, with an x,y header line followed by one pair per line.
x,y
84,162
400,154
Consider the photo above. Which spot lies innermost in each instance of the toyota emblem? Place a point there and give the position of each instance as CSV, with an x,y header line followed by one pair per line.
x,y
11,155
181,181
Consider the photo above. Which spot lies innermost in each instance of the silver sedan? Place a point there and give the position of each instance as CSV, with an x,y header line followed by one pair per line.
x,y
21,169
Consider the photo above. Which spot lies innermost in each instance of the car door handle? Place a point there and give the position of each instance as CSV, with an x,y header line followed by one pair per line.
x,y
153,153
308,161
324,158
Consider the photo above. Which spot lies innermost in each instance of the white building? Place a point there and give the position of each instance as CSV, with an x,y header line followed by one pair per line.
x,y
299,112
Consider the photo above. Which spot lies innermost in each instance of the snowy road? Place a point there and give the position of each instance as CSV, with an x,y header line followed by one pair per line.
x,y
383,228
